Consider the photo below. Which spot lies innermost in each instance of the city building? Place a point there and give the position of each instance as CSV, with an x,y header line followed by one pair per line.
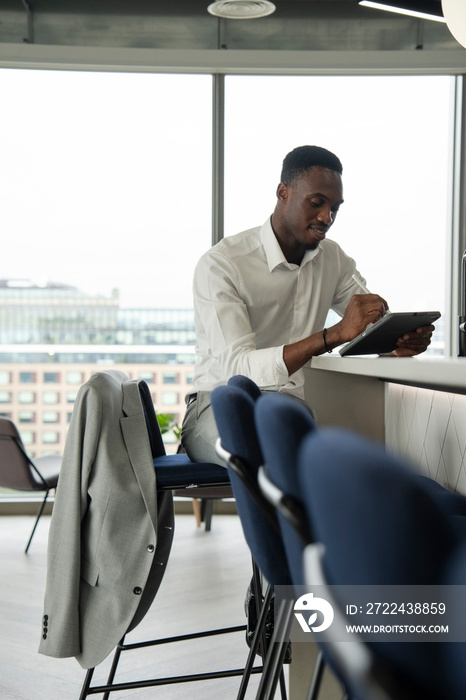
x,y
53,337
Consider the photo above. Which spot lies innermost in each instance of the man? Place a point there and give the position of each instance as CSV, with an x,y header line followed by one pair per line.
x,y
261,298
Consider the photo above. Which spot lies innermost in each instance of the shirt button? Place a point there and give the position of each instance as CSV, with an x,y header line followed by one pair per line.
x,y
150,548
137,590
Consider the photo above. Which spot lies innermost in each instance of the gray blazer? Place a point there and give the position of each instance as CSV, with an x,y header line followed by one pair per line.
x,y
110,535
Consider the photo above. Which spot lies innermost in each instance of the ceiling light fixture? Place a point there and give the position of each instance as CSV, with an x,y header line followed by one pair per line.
x,y
241,9
455,16
423,9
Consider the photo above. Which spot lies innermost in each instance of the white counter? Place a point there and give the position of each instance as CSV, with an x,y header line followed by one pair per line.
x,y
443,374
353,392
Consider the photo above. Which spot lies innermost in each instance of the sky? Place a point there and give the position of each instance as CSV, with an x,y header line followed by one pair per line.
x,y
105,179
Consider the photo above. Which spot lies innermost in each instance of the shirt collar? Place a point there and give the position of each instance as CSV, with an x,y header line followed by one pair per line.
x,y
274,253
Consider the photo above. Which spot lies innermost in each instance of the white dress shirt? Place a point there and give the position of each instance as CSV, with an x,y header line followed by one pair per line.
x,y
249,302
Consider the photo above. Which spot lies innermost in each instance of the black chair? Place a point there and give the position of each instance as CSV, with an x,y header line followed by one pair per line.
x,y
238,445
173,472
19,472
380,524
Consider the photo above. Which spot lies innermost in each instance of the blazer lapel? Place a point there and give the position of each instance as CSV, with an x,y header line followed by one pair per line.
x,y
134,431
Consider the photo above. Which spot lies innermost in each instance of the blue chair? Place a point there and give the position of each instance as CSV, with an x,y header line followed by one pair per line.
x,y
379,524
455,653
282,424
246,384
233,407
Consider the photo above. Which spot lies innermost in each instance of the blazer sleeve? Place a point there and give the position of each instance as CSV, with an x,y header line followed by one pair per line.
x,y
60,630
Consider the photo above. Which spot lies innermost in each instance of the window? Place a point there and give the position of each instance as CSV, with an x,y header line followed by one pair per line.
x,y
126,150
169,398
26,416
393,140
149,377
4,377
135,138
74,377
135,135
50,397
27,436
26,397
49,437
170,378
27,377
50,417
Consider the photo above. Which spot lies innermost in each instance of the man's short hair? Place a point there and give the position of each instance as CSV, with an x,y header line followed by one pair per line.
x,y
303,158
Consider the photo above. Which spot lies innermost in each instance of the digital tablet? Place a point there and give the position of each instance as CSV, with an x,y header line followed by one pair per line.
x,y
381,336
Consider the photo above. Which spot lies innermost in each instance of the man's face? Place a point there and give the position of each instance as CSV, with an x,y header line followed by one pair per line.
x,y
309,206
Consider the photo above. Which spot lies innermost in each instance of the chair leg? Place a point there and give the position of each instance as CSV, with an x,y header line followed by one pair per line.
x,y
207,507
277,651
86,684
317,676
283,692
258,639
41,508
197,511
116,659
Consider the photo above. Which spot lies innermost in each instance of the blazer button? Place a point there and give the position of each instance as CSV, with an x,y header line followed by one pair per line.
x,y
150,548
137,590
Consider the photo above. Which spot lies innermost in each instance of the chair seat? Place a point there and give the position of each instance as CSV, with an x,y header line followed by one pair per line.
x,y
178,471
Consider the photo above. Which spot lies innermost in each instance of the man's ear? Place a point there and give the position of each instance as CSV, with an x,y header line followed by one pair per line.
x,y
282,192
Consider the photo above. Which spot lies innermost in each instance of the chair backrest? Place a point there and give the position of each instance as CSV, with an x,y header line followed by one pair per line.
x,y
246,385
234,414
16,471
380,525
155,436
282,423
455,654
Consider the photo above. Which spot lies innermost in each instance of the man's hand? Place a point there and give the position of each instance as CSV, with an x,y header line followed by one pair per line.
x,y
414,343
362,310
